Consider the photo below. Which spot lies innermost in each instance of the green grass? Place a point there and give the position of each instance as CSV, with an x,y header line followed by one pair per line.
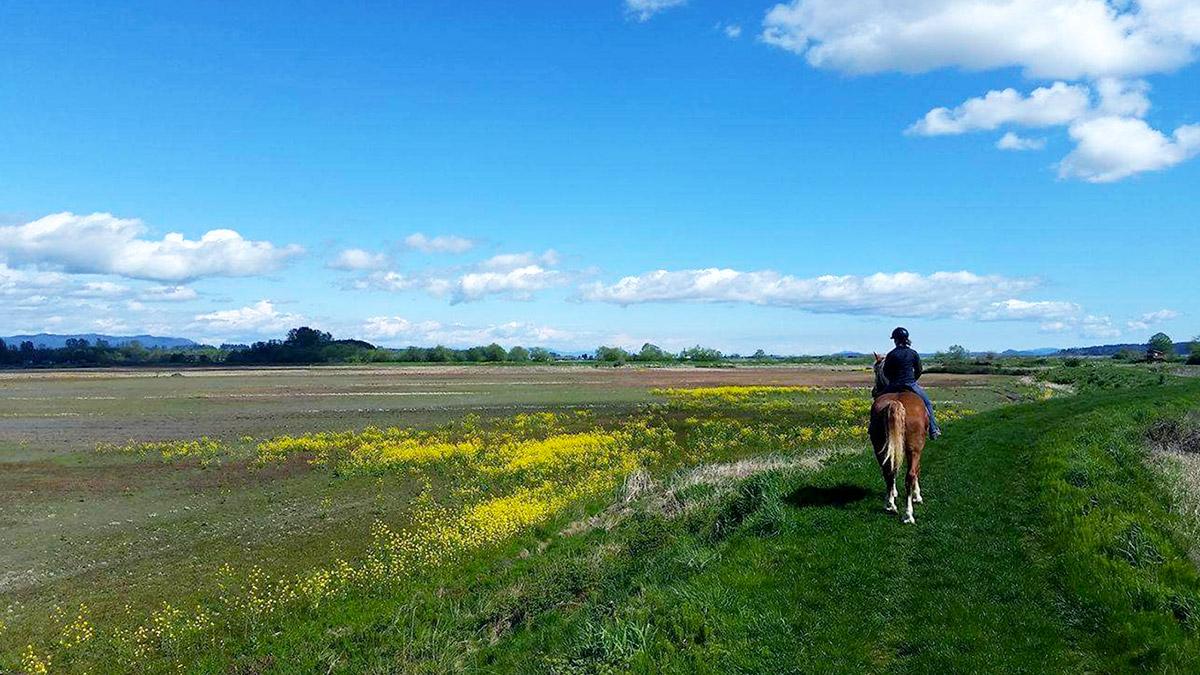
x,y
1043,546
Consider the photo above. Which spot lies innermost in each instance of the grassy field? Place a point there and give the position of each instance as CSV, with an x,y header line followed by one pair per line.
x,y
576,520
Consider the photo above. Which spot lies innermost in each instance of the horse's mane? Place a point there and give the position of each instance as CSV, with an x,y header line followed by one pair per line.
x,y
881,381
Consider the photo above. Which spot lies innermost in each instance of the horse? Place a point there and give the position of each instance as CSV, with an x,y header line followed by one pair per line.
x,y
899,427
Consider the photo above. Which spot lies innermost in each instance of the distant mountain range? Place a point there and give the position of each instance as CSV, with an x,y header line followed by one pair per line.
x,y
1109,350
1044,351
54,341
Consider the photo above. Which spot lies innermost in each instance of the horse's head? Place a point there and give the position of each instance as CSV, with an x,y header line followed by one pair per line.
x,y
881,381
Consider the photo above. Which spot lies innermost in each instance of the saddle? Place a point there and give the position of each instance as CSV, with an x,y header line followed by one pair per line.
x,y
877,391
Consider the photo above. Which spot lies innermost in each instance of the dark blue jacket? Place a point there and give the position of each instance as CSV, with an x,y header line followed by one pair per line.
x,y
902,366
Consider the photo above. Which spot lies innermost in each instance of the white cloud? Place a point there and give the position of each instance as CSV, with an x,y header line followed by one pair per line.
x,y
168,294
518,283
510,261
1112,143
1042,310
732,31
110,326
957,294
357,259
1149,319
1056,105
1068,39
1125,98
101,243
1111,148
101,289
388,281
1109,43
642,10
1098,327
398,330
515,275
439,244
1012,141
259,318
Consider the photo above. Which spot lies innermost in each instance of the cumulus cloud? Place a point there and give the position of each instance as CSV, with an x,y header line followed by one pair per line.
x,y
1014,142
357,260
259,318
439,244
1067,39
514,275
1111,141
101,243
519,283
1111,148
956,294
732,31
1110,45
1126,98
1056,105
1149,319
642,10
398,330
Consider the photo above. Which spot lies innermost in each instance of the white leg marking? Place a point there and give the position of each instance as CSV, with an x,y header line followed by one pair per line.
x,y
908,511
917,491
889,501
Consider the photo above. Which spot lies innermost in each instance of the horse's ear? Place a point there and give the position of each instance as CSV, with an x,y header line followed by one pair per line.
x,y
877,356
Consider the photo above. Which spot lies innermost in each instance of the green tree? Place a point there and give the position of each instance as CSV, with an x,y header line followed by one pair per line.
x,y
518,354
307,338
1161,342
541,355
494,352
1194,352
652,352
612,355
700,354
759,355
954,354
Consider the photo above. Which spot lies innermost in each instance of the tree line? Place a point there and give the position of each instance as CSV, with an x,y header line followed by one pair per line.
x,y
305,345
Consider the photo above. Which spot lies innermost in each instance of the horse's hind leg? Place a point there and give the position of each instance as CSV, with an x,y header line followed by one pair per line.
x,y
910,487
889,497
915,463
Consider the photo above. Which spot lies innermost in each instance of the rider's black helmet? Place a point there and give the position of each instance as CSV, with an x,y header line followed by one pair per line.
x,y
901,333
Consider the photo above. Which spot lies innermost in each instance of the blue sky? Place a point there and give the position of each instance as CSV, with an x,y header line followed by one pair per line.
x,y
786,176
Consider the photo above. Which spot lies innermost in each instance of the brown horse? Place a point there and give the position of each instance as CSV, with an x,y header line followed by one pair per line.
x,y
899,426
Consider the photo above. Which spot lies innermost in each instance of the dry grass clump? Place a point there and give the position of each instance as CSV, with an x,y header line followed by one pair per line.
x,y
1175,455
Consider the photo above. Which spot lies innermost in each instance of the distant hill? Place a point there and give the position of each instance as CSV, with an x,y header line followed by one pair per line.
x,y
54,341
1044,351
1109,350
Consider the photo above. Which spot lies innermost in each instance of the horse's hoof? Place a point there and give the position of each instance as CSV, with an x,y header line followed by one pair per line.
x,y
918,500
890,509
909,520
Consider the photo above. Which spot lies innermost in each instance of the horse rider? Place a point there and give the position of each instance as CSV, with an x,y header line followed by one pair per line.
x,y
902,368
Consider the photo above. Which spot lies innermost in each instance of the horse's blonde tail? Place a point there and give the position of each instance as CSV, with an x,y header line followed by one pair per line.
x,y
893,451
